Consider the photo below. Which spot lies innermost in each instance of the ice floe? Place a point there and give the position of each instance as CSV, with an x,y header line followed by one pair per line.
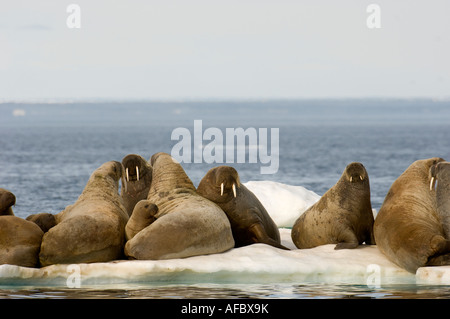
x,y
258,263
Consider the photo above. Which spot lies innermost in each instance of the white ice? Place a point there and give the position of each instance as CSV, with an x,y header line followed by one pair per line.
x,y
257,263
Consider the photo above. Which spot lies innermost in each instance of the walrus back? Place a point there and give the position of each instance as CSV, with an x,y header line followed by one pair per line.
x,y
20,241
195,227
407,229
93,228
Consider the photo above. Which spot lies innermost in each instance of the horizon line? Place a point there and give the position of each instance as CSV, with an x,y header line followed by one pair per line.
x,y
211,99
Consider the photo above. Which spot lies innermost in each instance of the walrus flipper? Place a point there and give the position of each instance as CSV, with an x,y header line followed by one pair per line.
x,y
441,260
348,241
260,236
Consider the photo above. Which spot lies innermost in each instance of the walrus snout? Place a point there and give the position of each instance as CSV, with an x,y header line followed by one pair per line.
x,y
228,179
133,171
356,172
439,171
133,167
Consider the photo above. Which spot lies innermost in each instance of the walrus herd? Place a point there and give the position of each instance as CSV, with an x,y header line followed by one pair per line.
x,y
160,214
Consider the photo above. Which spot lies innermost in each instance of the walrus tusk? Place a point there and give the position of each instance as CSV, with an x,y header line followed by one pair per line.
x,y
360,177
221,189
128,177
137,173
351,179
234,189
432,183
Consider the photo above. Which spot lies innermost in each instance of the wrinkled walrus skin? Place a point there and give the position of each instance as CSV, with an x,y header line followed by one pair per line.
x,y
20,241
186,224
407,228
440,182
93,228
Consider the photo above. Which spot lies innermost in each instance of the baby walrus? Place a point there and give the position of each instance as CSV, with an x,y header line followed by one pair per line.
x,y
250,222
342,216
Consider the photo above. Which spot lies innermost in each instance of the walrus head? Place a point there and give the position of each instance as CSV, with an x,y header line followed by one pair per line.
x,y
440,184
355,173
135,168
440,172
168,176
220,183
109,170
114,169
7,200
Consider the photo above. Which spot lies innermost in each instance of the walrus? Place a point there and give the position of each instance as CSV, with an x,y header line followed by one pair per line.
x,y
407,229
136,180
20,241
249,220
143,215
7,200
440,175
93,228
44,220
186,224
342,216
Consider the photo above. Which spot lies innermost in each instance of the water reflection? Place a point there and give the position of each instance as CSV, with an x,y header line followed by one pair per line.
x,y
217,291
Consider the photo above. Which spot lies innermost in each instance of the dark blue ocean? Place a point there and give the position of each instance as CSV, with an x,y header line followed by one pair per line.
x,y
49,150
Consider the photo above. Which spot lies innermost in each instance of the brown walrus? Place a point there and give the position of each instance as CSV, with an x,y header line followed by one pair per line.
x,y
136,180
43,220
186,224
342,216
249,220
20,241
143,215
93,228
408,229
7,200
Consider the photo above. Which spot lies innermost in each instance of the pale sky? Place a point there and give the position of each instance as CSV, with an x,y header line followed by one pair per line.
x,y
231,49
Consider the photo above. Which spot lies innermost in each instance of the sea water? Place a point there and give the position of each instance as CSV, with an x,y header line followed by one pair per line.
x,y
48,151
